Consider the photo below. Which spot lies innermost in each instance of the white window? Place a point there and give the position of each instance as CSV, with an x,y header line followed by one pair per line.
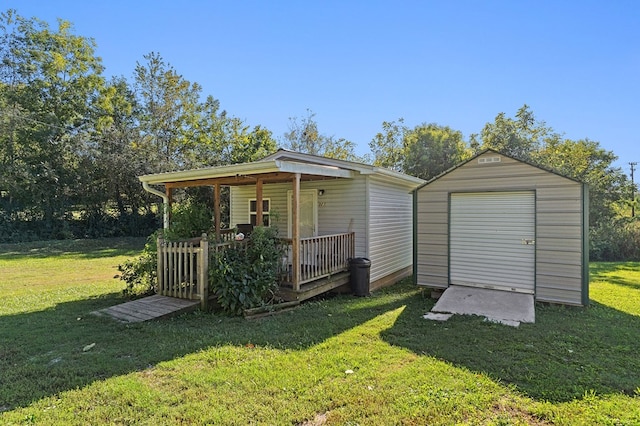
x,y
266,203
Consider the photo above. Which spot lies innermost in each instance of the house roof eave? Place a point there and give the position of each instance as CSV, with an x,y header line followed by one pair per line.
x,y
407,180
245,169
364,169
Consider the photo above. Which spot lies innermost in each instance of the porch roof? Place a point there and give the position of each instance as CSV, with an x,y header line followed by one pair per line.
x,y
277,167
269,171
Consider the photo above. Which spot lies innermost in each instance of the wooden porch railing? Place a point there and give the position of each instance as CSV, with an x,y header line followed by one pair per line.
x,y
319,257
183,266
183,269
227,235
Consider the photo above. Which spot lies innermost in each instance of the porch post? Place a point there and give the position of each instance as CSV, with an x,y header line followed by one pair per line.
x,y
203,272
259,202
216,211
160,269
169,193
295,232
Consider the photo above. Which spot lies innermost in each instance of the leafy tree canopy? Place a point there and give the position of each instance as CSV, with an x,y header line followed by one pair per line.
x,y
304,136
72,144
50,81
517,137
424,151
586,161
431,149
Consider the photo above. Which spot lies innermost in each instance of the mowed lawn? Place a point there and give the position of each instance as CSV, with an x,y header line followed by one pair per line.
x,y
339,360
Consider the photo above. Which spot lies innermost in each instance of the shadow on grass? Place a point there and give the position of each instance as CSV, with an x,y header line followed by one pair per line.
x,y
614,273
568,353
41,353
85,249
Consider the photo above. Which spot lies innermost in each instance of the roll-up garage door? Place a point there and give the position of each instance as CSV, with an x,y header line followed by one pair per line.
x,y
492,240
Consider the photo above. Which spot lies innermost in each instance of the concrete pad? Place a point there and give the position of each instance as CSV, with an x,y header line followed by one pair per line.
x,y
436,316
495,305
504,322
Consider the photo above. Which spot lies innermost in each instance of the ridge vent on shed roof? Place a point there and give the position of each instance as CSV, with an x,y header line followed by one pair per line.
x,y
486,160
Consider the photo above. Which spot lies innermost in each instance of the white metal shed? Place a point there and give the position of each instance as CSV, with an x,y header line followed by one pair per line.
x,y
501,223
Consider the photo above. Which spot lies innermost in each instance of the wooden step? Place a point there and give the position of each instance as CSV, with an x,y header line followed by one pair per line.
x,y
314,288
148,308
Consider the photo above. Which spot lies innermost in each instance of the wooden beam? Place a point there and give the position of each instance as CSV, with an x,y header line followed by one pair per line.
x,y
230,181
295,232
259,202
169,192
280,177
233,180
216,211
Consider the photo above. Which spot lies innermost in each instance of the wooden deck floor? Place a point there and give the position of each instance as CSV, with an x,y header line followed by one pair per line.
x,y
148,308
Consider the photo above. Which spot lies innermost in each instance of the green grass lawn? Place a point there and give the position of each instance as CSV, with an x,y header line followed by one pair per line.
x,y
340,360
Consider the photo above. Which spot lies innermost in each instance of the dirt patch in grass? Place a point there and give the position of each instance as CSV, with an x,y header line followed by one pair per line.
x,y
509,411
319,420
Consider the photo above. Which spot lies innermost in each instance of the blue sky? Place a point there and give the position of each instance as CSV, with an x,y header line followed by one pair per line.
x,y
359,63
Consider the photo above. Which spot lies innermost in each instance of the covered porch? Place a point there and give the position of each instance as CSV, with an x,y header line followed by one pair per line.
x,y
312,264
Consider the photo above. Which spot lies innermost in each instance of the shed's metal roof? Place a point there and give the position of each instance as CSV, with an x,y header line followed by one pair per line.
x,y
446,172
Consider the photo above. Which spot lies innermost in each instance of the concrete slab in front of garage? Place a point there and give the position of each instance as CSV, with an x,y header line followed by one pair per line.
x,y
505,307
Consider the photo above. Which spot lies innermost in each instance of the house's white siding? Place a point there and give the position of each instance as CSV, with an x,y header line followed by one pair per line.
x,y
390,228
560,229
378,211
341,208
276,193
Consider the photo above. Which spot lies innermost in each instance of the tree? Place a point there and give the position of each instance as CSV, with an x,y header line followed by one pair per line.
x,y
531,140
517,137
169,112
114,146
180,132
72,145
424,151
587,162
245,145
430,149
303,136
51,80
387,146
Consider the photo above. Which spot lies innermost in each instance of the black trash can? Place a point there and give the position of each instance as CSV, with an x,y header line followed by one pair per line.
x,y
360,268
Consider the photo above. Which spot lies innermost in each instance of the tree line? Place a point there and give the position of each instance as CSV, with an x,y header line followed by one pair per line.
x,y
73,142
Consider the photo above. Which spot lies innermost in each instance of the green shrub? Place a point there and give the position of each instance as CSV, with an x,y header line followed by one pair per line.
x,y
140,274
615,241
245,275
188,220
98,223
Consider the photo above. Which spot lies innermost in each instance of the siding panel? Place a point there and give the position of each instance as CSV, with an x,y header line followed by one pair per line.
x,y
390,228
340,209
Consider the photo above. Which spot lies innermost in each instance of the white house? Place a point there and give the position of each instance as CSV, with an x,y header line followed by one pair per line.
x,y
327,210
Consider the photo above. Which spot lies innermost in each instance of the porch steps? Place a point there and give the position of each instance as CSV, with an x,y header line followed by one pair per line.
x,y
148,308
314,288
